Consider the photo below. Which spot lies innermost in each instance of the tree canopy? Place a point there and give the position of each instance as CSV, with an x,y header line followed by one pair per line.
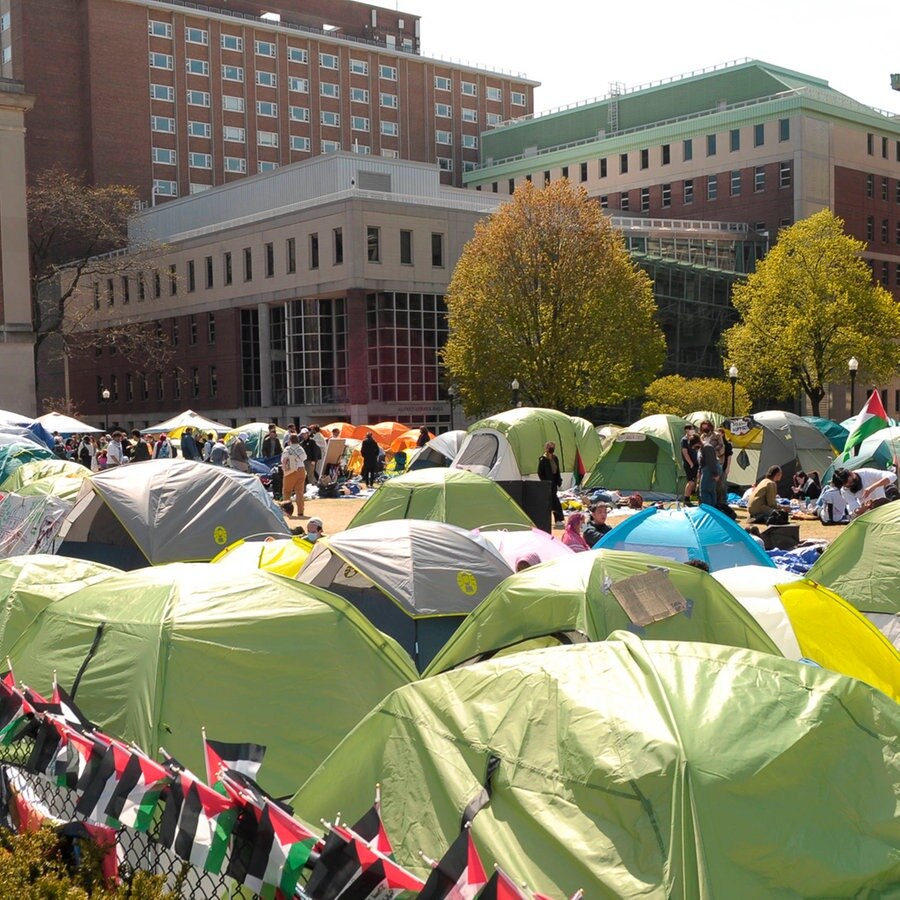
x,y
809,306
545,293
675,395
74,228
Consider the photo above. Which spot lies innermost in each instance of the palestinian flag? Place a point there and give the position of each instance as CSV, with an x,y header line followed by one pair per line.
x,y
371,829
97,784
459,874
139,788
49,755
15,712
502,887
578,471
350,869
197,822
282,849
243,758
69,712
871,418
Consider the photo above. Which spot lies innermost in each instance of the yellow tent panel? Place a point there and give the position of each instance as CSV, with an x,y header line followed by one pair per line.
x,y
283,556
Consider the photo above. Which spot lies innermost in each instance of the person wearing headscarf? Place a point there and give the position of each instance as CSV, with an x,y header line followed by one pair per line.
x,y
527,560
571,536
240,457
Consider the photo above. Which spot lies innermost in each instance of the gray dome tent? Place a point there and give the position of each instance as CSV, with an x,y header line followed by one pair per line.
x,y
165,510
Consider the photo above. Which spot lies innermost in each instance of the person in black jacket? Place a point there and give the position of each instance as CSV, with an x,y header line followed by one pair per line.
x,y
141,451
369,450
271,445
548,470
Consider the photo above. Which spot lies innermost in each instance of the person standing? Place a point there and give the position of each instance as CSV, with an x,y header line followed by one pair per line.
x,y
423,438
240,458
115,456
87,451
189,448
548,470
689,464
369,451
319,440
271,445
141,452
311,449
710,471
218,455
725,465
293,464
208,445
163,448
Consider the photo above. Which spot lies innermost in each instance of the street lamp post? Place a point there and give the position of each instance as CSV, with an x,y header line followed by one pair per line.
x,y
732,377
451,396
515,392
853,366
105,394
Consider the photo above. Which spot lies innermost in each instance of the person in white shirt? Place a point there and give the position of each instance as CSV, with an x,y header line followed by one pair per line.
x,y
832,507
114,454
863,485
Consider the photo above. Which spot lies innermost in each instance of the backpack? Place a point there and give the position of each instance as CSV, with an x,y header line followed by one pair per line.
x,y
777,517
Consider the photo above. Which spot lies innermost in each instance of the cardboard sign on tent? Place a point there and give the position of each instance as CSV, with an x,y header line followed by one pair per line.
x,y
645,457
634,768
571,600
166,510
442,495
250,655
415,580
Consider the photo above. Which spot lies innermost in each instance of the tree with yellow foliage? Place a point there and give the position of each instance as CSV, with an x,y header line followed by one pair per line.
x,y
810,305
545,293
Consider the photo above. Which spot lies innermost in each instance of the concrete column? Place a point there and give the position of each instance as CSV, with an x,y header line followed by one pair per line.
x,y
17,376
265,354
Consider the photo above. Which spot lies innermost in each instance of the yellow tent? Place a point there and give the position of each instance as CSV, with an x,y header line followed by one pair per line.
x,y
807,620
283,556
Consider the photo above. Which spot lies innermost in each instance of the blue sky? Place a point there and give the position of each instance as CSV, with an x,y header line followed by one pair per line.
x,y
577,48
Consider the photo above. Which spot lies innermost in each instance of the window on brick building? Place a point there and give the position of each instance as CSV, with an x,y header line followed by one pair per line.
x,y
406,256
712,187
584,171
784,129
126,290
195,382
210,328
290,248
734,140
736,184
226,265
437,250
885,226
689,191
565,171
176,385
884,148
666,195
191,277
314,250
884,188
665,154
870,185
687,150
784,175
710,145
624,202
604,201
623,163
270,259
192,331
759,135
209,272
870,144
645,158
759,179
602,169
885,274
248,264
173,280
373,244
213,381
870,228
338,245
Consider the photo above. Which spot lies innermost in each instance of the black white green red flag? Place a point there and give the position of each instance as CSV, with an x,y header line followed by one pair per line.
x,y
139,788
220,756
458,875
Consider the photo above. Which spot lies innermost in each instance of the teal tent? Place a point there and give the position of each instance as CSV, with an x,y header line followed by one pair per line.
x,y
646,457
834,431
636,768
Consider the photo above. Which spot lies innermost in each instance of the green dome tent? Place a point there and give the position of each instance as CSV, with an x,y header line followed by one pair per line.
x,y
637,769
861,566
588,442
442,495
835,432
507,446
251,656
645,457
58,477
571,600
701,415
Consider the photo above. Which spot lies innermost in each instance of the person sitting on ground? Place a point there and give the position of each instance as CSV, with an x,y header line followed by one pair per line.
x,y
764,497
314,529
812,487
832,506
864,489
596,526
572,537
527,560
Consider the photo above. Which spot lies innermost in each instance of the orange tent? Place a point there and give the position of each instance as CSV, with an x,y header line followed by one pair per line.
x,y
407,439
345,428
383,432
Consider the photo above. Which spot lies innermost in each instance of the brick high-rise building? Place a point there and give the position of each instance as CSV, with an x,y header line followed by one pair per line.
x,y
175,97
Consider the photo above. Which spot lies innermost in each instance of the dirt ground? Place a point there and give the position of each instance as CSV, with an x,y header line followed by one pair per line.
x,y
336,516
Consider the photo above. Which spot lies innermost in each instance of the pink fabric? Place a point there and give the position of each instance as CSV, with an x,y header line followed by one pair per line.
x,y
571,537
513,544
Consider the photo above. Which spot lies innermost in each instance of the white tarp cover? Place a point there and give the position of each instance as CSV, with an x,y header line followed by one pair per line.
x,y
30,524
428,568
66,425
176,510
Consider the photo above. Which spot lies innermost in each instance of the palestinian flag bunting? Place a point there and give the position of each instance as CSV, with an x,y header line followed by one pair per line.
x,y
139,788
458,875
197,822
502,887
243,758
871,418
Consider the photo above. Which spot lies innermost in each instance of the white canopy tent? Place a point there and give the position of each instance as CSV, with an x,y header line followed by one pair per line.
x,y
174,426
66,425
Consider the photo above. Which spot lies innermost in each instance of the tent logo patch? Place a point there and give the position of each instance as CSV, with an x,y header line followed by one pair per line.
x,y
220,535
468,583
